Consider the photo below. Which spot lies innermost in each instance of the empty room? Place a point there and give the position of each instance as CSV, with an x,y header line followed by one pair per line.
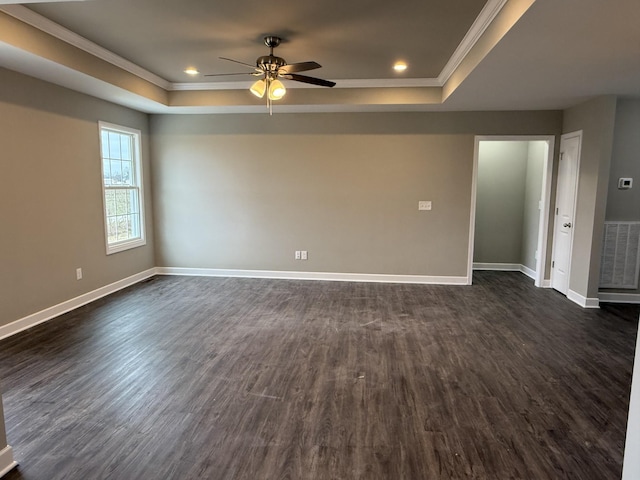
x,y
410,250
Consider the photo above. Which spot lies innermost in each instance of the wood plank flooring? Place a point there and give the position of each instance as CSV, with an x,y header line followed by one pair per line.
x,y
185,378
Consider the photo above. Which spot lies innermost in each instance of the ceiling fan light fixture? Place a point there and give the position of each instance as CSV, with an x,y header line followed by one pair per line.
x,y
276,90
259,88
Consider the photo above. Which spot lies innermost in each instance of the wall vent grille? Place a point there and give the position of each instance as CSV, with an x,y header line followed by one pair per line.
x,y
620,255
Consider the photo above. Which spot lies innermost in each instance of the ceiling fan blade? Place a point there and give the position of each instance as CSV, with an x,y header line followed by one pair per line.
x,y
236,61
225,74
311,80
299,67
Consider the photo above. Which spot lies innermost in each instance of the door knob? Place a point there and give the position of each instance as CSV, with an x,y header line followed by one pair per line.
x,y
566,225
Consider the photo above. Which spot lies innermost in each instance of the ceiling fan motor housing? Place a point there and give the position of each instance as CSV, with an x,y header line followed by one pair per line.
x,y
270,63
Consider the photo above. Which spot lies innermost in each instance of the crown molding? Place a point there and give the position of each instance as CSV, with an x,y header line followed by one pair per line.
x,y
36,20
349,83
481,23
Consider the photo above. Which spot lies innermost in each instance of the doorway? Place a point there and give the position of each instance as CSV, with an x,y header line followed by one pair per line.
x,y
510,205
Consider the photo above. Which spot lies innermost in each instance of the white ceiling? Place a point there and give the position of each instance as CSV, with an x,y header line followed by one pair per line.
x,y
353,39
558,54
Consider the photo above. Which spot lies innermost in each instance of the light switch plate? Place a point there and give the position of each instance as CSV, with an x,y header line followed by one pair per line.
x,y
424,205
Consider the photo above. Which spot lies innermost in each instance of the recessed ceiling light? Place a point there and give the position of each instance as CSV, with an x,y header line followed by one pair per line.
x,y
191,71
400,66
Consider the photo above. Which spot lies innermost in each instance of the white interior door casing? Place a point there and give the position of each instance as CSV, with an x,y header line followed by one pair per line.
x,y
545,200
566,192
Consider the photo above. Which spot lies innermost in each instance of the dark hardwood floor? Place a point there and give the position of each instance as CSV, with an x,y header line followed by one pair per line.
x,y
184,378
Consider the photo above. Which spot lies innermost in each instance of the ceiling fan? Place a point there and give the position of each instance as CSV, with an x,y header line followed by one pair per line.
x,y
271,68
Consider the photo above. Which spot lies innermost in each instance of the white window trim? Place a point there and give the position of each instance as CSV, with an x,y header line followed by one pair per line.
x,y
137,151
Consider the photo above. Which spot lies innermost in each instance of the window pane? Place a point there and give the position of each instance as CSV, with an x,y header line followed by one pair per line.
x,y
116,172
114,146
122,189
135,225
112,230
126,173
110,202
122,202
126,147
104,135
123,227
106,172
133,201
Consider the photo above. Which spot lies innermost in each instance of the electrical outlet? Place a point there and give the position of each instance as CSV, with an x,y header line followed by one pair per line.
x,y
78,274
424,205
304,254
298,255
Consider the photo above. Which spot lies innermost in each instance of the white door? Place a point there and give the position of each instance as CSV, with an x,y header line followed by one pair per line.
x,y
565,210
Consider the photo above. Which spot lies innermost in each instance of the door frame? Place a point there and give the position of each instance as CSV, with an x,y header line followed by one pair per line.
x,y
543,225
577,133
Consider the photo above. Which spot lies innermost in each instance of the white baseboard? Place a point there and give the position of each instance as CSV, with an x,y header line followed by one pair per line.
x,y
528,271
326,276
619,297
506,267
64,307
583,301
7,463
546,283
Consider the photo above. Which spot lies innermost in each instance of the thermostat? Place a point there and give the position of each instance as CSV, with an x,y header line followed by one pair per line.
x,y
625,183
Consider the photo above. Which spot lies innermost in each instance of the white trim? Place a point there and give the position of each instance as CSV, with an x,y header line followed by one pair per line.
x,y
345,83
546,283
543,225
619,297
43,24
202,86
64,307
506,267
136,136
485,18
545,198
472,214
323,276
631,462
577,133
584,302
529,272
7,463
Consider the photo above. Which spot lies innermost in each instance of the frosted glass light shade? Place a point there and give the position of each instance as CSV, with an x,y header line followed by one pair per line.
x,y
258,88
276,90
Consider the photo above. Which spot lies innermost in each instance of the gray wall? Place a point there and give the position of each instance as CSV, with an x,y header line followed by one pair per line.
x,y
624,205
245,191
536,154
508,195
51,196
502,171
596,120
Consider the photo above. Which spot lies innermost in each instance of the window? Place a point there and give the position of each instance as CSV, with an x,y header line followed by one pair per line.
x,y
122,187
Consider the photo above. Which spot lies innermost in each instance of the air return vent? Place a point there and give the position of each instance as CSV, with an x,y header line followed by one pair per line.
x,y
620,255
